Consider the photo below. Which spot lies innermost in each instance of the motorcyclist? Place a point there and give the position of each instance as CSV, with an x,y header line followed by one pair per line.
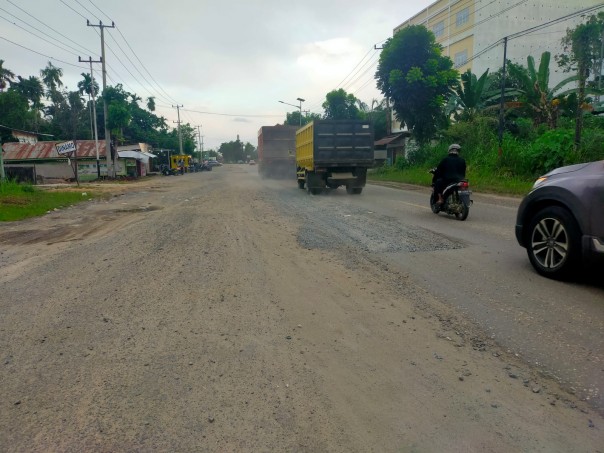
x,y
450,170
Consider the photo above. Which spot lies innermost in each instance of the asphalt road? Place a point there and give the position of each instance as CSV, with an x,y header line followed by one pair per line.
x,y
477,267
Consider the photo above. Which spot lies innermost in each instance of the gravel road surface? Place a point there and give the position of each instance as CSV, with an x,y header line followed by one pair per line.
x,y
218,312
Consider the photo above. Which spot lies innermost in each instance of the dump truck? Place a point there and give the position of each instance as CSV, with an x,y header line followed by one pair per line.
x,y
334,153
277,151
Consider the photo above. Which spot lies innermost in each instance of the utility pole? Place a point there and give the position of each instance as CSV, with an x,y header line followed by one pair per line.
x,y
96,131
599,72
2,174
200,143
111,173
501,101
177,107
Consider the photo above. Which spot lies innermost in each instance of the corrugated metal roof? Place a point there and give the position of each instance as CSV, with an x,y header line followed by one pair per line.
x,y
389,139
46,150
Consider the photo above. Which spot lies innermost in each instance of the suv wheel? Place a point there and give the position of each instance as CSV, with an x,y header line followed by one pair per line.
x,y
553,244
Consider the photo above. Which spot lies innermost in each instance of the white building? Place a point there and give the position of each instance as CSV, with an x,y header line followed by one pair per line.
x,y
472,31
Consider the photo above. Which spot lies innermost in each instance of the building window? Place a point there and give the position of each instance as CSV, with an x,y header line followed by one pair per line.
x,y
461,58
439,29
463,17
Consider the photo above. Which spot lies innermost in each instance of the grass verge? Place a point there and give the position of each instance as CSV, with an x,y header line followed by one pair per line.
x,y
484,182
21,201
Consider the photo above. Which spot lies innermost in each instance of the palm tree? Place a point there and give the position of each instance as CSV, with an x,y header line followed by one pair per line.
x,y
151,103
6,76
51,76
135,98
87,86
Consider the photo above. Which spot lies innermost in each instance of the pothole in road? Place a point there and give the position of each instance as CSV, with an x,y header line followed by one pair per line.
x,y
137,209
390,238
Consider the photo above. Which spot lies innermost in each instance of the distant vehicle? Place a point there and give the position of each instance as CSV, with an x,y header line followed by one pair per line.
x,y
561,221
214,163
240,162
334,153
276,151
252,162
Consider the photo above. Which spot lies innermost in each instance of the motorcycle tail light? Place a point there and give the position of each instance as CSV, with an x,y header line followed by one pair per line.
x,y
464,185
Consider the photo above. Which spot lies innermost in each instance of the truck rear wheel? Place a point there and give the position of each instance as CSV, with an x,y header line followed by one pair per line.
x,y
354,190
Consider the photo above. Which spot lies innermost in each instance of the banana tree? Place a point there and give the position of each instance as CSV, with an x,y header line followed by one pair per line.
x,y
471,96
535,94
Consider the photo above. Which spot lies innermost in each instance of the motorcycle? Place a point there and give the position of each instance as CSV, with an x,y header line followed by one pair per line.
x,y
457,198
167,171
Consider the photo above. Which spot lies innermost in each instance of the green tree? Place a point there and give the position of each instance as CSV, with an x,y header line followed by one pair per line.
x,y
293,119
118,110
32,90
417,78
6,76
69,119
378,115
582,51
236,150
340,105
14,110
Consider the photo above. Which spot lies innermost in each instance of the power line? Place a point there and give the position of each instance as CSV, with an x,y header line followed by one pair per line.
x,y
102,12
536,28
365,56
37,36
231,114
48,26
41,54
88,11
133,65
167,96
555,21
144,67
71,8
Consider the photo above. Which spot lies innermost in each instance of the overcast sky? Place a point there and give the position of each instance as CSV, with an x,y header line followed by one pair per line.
x,y
228,62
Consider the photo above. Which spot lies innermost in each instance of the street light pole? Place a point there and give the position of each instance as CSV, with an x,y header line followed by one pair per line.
x,y
297,106
301,101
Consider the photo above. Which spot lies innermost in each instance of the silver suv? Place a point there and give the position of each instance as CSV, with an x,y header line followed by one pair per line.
x,y
561,221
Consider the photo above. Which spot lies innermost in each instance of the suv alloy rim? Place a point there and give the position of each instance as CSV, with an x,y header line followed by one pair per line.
x,y
550,243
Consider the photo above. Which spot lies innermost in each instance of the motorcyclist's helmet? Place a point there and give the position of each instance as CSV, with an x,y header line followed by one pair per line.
x,y
454,148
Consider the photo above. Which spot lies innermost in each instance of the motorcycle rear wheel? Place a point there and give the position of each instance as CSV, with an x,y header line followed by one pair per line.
x,y
433,205
463,215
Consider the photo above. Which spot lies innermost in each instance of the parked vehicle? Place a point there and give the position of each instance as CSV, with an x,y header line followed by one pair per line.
x,y
561,221
166,170
277,151
252,162
457,198
180,162
214,163
334,153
